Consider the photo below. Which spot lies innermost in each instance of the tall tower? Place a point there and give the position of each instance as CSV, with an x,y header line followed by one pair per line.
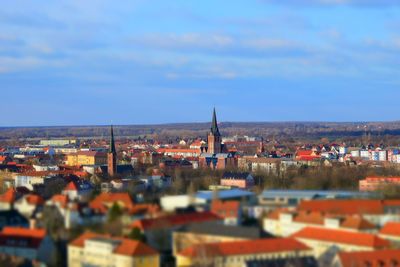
x,y
214,137
112,156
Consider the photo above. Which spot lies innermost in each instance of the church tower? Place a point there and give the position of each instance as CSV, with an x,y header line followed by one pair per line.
x,y
112,156
214,137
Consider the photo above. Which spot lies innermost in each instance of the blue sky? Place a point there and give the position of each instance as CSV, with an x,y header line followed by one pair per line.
x,y
73,62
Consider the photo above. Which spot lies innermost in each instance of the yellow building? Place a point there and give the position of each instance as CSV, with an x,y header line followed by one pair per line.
x,y
237,253
92,249
87,158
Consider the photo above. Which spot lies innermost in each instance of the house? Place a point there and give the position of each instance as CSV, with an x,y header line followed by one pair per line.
x,y
238,253
78,190
243,180
379,258
218,161
158,231
285,222
268,165
92,249
28,204
322,240
211,232
391,232
7,199
377,183
86,158
12,218
376,211
31,244
229,211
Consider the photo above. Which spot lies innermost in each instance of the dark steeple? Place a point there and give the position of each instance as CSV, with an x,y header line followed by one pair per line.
x,y
112,143
214,125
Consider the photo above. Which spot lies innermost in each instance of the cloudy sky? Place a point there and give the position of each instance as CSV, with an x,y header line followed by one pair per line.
x,y
71,62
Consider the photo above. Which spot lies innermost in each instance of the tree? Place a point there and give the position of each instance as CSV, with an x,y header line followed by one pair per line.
x,y
114,213
136,234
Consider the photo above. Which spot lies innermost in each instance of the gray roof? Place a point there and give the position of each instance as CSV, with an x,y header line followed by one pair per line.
x,y
218,229
313,194
224,194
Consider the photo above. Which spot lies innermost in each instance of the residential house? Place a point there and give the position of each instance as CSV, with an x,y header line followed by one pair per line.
x,y
12,218
322,240
31,244
229,211
211,232
243,180
80,190
28,204
379,258
7,199
391,232
92,249
86,158
238,253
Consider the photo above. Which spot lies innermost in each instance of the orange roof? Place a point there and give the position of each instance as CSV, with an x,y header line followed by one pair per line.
x,y
3,158
71,186
23,232
105,200
356,222
174,220
34,199
225,208
370,258
391,228
342,237
126,246
343,207
260,246
9,196
62,200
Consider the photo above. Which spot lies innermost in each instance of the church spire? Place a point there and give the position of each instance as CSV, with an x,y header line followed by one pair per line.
x,y
112,142
214,125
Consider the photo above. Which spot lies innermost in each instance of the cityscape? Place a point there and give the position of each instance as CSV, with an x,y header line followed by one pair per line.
x,y
259,133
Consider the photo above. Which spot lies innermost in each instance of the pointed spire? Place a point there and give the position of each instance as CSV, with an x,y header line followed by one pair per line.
x,y
112,143
214,124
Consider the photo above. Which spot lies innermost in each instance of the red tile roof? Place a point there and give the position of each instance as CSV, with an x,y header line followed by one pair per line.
x,y
226,209
343,207
174,220
105,200
260,246
126,246
379,258
342,237
9,196
34,199
391,228
71,186
24,232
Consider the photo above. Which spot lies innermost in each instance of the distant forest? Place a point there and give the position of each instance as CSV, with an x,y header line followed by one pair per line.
x,y
357,132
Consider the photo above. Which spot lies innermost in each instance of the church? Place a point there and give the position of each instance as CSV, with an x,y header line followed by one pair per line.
x,y
214,155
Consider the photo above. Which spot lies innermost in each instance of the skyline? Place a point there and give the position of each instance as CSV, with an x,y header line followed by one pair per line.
x,y
97,63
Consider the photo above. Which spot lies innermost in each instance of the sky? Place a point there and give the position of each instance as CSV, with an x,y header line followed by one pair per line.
x,y
74,62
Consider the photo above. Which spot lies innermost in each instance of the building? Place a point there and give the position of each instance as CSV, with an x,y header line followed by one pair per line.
x,y
112,156
391,232
92,249
238,253
82,158
285,223
78,190
322,240
379,258
28,204
31,244
7,199
377,183
58,142
243,180
377,212
158,231
214,137
12,218
229,211
211,232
